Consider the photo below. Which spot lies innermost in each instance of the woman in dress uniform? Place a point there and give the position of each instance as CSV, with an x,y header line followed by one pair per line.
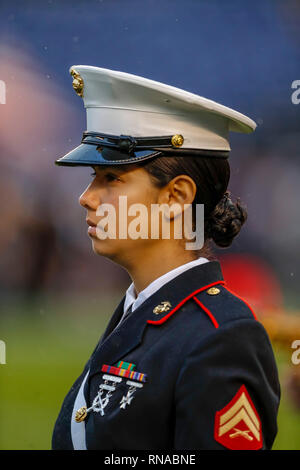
x,y
184,363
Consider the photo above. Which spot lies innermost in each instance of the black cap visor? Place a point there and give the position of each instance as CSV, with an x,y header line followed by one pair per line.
x,y
90,155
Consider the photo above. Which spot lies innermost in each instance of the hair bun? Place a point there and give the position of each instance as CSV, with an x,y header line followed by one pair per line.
x,y
225,221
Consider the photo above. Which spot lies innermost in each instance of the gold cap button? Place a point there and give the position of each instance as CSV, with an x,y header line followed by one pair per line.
x,y
80,414
177,140
213,291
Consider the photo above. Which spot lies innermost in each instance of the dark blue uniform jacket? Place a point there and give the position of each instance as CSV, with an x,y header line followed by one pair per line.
x,y
211,378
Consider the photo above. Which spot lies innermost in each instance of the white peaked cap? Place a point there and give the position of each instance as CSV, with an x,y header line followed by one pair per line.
x,y
121,104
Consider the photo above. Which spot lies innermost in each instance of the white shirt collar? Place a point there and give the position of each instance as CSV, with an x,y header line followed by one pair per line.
x,y
136,301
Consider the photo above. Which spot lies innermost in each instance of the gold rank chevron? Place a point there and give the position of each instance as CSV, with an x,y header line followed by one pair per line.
x,y
240,411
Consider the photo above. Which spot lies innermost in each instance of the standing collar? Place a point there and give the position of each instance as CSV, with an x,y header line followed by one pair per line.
x,y
134,301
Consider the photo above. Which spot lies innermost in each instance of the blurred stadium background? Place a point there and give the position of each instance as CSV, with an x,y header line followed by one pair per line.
x,y
56,295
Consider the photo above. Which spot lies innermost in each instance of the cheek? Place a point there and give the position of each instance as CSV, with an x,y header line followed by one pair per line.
x,y
134,195
110,198
142,195
138,199
142,215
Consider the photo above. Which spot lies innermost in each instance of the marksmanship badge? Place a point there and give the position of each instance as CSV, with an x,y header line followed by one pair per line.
x,y
112,377
125,369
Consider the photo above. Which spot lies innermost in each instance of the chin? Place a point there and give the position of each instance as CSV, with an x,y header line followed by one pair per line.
x,y
106,248
119,251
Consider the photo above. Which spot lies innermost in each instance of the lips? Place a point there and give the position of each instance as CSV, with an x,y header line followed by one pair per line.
x,y
92,231
91,223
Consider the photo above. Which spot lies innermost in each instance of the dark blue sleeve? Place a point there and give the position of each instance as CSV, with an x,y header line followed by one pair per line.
x,y
233,358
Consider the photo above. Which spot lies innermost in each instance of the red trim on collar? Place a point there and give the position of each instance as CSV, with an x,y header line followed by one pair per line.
x,y
243,300
166,317
208,312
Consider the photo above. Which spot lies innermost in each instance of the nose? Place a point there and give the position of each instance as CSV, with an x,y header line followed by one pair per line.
x,y
89,199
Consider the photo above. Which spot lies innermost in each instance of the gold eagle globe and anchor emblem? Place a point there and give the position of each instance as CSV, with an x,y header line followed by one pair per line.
x,y
162,307
77,83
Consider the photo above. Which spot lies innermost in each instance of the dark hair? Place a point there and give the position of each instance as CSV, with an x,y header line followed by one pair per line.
x,y
223,218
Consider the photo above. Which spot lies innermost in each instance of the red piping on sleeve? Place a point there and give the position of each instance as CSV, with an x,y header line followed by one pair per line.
x,y
165,318
208,312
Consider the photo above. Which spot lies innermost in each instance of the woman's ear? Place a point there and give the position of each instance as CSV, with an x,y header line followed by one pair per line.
x,y
181,190
178,193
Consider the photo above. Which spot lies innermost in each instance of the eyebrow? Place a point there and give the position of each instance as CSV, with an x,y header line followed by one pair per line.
x,y
104,168
113,168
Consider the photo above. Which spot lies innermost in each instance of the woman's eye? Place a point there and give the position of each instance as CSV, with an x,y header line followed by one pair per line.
x,y
108,176
111,177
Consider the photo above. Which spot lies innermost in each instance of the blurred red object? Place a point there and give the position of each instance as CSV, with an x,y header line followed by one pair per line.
x,y
254,280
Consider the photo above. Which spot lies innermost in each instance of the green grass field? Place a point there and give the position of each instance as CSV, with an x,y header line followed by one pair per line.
x,y
47,345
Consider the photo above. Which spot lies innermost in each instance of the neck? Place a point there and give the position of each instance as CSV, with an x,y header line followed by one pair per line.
x,y
152,264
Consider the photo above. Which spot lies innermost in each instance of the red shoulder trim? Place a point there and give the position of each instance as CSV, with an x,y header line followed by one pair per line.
x,y
208,312
243,300
166,317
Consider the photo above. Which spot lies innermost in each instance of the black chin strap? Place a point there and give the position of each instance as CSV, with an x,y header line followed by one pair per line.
x,y
128,145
